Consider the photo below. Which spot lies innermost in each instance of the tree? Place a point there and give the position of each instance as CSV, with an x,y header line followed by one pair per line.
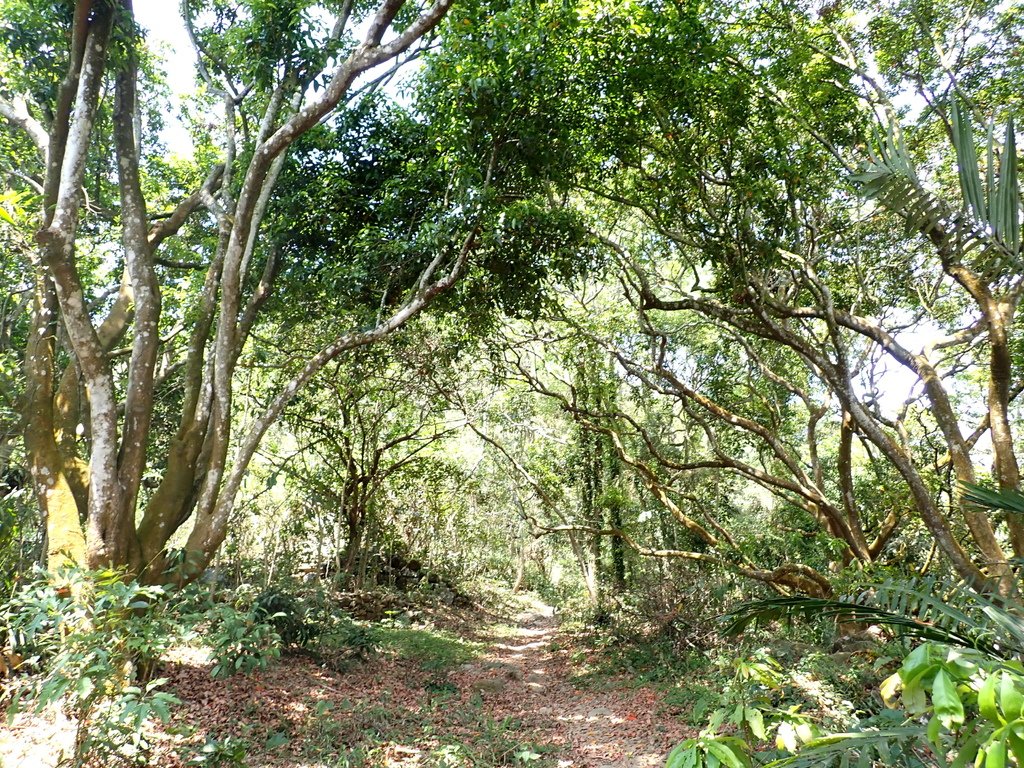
x,y
363,425
725,160
89,405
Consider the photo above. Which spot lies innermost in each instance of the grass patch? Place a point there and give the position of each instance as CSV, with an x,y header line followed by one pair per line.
x,y
433,650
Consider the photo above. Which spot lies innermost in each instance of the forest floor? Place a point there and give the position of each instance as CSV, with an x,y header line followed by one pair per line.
x,y
470,694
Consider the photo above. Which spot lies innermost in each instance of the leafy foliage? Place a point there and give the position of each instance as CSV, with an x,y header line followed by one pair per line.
x,y
965,682
242,641
94,638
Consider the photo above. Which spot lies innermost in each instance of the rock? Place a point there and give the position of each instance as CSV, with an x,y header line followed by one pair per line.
x,y
601,712
545,710
490,685
862,646
508,670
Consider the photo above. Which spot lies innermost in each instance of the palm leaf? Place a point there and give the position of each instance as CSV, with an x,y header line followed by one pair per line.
x,y
989,225
926,609
967,165
1007,223
891,746
1005,499
812,609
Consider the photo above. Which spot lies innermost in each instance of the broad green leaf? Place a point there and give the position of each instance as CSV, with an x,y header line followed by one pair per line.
x,y
804,732
85,687
730,756
987,698
755,720
934,732
916,661
914,698
995,755
948,707
968,752
683,755
737,715
1016,745
1011,701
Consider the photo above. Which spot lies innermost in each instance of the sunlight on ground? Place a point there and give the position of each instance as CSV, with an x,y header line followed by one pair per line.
x,y
37,741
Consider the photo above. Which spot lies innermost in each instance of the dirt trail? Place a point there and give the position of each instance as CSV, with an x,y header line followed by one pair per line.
x,y
515,703
528,676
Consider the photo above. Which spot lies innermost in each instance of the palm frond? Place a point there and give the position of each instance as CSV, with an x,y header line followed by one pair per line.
x,y
891,746
1005,499
967,165
926,609
988,227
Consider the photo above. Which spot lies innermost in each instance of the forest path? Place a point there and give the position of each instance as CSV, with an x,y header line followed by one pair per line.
x,y
528,677
482,694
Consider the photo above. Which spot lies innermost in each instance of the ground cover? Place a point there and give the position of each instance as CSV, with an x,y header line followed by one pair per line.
x,y
470,691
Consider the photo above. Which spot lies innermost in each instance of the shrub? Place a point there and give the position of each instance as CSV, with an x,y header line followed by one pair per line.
x,y
241,641
298,619
306,618
959,695
93,638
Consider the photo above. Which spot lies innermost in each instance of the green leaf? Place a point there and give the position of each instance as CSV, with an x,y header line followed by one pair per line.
x,y
1005,220
948,707
968,751
1010,698
934,732
995,754
755,720
915,662
987,699
729,755
85,687
1016,744
1005,499
967,164
683,755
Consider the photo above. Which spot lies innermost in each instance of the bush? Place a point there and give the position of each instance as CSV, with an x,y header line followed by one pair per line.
x,y
354,640
94,639
298,619
305,618
241,641
21,536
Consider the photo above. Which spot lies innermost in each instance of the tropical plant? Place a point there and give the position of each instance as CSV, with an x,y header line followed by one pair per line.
x,y
957,697
750,707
